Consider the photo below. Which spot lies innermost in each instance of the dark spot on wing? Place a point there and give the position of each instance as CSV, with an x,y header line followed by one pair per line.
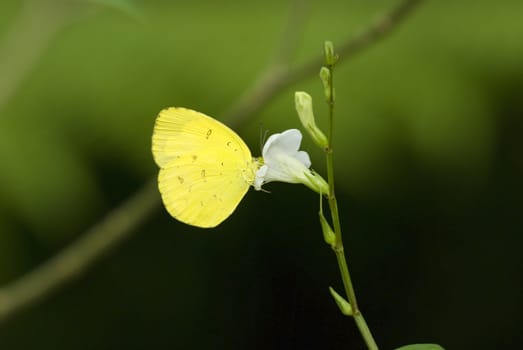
x,y
181,179
209,132
194,157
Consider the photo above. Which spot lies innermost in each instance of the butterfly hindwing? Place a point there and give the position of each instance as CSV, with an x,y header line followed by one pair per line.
x,y
205,167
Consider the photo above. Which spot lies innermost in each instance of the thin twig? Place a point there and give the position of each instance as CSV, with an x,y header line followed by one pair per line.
x,y
278,77
293,32
120,223
381,27
269,81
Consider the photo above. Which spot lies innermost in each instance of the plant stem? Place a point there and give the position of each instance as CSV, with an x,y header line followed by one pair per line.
x,y
338,247
351,296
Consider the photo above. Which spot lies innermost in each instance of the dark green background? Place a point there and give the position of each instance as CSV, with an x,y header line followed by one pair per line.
x,y
429,165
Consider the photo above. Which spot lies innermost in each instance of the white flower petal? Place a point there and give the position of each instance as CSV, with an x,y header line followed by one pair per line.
x,y
303,157
260,177
286,169
287,142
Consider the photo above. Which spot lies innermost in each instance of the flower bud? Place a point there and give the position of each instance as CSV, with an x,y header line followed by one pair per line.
x,y
325,76
328,234
330,57
303,103
343,304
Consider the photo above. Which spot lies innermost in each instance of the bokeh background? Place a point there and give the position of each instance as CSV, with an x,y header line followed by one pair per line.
x,y
429,165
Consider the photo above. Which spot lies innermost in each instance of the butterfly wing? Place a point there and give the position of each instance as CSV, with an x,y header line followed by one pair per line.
x,y
205,167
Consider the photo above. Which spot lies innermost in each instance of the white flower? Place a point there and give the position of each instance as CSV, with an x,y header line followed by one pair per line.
x,y
282,161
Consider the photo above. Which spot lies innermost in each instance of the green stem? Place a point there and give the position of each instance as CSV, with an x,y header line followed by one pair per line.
x,y
345,276
351,296
338,247
365,331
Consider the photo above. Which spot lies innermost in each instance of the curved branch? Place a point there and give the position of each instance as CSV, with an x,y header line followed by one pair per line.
x,y
120,223
277,77
72,261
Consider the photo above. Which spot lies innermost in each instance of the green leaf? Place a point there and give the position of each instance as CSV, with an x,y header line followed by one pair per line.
x,y
421,347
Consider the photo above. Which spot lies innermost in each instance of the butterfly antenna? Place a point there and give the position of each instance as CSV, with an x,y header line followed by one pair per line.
x,y
263,137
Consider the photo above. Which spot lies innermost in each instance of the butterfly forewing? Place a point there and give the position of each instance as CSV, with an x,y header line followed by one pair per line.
x,y
206,168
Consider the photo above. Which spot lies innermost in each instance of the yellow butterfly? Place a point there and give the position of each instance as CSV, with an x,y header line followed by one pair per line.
x,y
205,167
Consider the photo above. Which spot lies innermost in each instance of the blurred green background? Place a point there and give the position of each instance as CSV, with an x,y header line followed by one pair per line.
x,y
429,163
